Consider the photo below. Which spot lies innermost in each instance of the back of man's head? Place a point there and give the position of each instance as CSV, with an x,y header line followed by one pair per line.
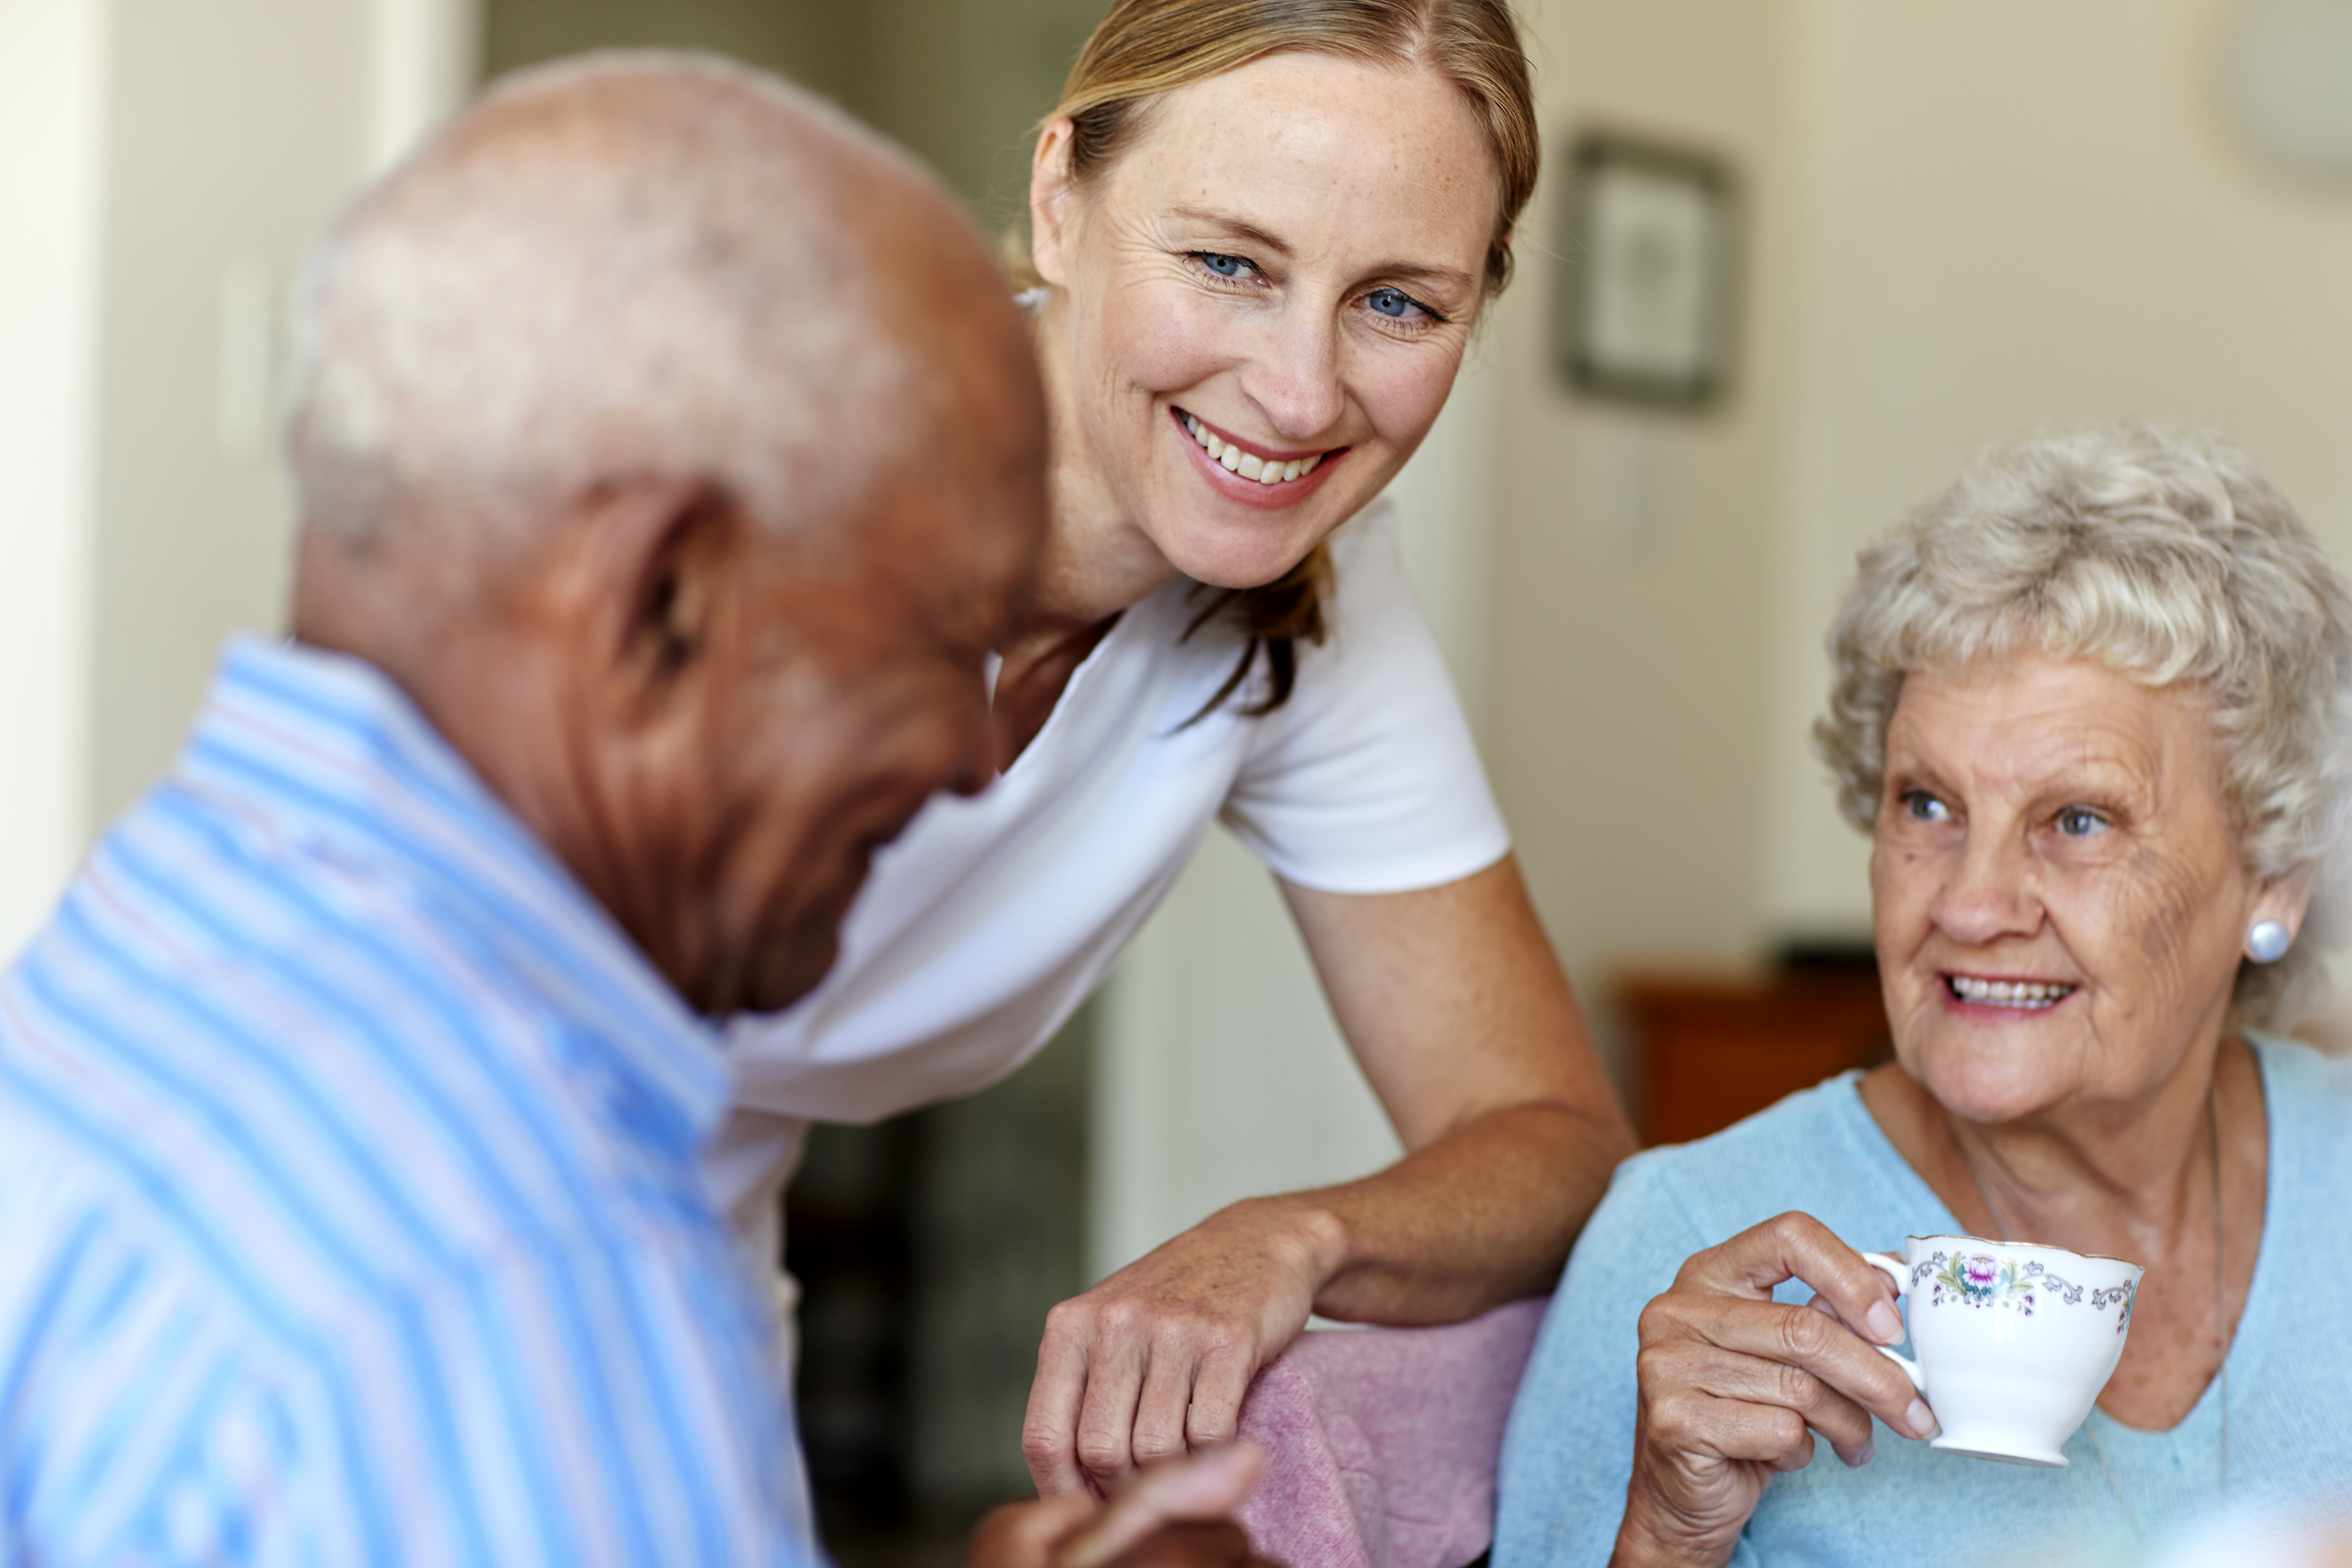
x,y
674,443
629,262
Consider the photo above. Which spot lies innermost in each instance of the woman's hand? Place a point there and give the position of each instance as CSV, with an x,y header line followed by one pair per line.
x,y
1156,1358
1733,1384
1457,1010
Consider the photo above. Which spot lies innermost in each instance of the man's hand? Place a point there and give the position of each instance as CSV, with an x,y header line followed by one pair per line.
x,y
1155,1360
1176,1515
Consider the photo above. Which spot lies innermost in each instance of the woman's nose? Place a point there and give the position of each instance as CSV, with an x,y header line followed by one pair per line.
x,y
1990,893
1295,381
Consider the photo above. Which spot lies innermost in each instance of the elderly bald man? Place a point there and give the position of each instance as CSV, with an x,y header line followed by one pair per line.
x,y
669,458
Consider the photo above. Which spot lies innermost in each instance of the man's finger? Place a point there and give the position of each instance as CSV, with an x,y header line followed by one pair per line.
x,y
1220,1545
1025,1534
1202,1488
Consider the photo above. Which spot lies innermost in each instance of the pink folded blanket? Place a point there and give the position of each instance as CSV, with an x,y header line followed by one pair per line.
x,y
1381,1443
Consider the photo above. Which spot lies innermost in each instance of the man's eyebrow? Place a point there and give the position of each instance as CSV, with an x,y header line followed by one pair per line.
x,y
1415,271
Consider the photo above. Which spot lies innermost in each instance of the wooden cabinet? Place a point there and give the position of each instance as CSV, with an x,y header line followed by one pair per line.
x,y
1719,1044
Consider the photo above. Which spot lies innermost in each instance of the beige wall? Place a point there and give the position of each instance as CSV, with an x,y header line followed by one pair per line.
x,y
162,167
1628,701
815,43
233,131
960,81
2013,215
52,116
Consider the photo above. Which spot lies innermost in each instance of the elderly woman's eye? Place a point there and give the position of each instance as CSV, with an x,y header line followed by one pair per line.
x,y
2081,822
1921,807
1221,265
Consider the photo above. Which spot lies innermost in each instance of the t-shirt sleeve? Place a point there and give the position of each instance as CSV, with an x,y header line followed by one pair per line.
x,y
1367,780
1569,1451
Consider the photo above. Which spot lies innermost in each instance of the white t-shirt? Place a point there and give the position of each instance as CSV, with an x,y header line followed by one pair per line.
x,y
990,920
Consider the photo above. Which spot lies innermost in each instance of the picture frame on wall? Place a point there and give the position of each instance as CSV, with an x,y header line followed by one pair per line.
x,y
1646,273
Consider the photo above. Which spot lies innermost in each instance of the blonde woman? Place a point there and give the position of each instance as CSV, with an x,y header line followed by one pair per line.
x,y
1264,232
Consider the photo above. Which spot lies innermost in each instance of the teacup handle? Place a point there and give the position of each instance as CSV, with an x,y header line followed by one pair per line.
x,y
1893,1270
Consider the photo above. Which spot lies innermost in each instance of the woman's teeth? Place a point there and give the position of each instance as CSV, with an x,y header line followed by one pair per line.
x,y
1248,465
2027,994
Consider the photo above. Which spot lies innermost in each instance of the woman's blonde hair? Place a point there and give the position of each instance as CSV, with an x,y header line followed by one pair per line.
x,y
2165,558
1145,48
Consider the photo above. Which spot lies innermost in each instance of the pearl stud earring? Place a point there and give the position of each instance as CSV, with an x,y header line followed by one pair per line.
x,y
2268,942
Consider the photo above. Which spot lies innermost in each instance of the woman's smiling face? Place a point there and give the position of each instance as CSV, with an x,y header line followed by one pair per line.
x,y
2057,885
1265,297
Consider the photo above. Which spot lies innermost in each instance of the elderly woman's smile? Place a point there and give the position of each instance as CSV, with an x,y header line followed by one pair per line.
x,y
2007,996
2055,880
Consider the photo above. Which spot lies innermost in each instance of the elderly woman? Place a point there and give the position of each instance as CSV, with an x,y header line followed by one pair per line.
x,y
2087,705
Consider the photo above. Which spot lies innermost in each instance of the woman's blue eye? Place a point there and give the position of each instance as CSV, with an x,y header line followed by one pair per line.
x,y
1926,807
1223,266
1392,303
2075,821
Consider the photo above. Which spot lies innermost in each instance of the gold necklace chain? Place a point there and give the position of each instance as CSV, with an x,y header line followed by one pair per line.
x,y
2220,1300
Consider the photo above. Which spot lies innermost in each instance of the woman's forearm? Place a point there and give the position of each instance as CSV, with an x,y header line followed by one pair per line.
x,y
1483,1215
1456,1008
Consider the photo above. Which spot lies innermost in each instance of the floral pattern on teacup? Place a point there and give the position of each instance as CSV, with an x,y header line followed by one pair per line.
x,y
1984,1279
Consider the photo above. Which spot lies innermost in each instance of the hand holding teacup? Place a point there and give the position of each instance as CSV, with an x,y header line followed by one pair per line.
x,y
1732,1385
2014,1342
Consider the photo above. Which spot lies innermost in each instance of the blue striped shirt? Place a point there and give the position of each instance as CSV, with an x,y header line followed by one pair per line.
x,y
349,1210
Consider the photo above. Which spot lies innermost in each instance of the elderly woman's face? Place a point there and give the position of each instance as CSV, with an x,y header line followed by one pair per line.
x,y
1269,294
2057,889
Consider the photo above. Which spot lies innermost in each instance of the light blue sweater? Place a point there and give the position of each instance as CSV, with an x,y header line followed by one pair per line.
x,y
1570,1447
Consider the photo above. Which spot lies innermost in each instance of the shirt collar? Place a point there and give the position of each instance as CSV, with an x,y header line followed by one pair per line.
x,y
328,752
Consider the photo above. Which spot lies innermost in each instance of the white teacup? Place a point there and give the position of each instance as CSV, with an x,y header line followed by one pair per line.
x,y
2014,1340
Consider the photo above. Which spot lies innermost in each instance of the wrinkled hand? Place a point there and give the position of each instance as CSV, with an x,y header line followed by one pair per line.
x,y
1733,1384
1156,1358
1174,1514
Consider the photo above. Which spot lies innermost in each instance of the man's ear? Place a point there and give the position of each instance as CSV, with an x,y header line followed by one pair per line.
x,y
649,575
1049,201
